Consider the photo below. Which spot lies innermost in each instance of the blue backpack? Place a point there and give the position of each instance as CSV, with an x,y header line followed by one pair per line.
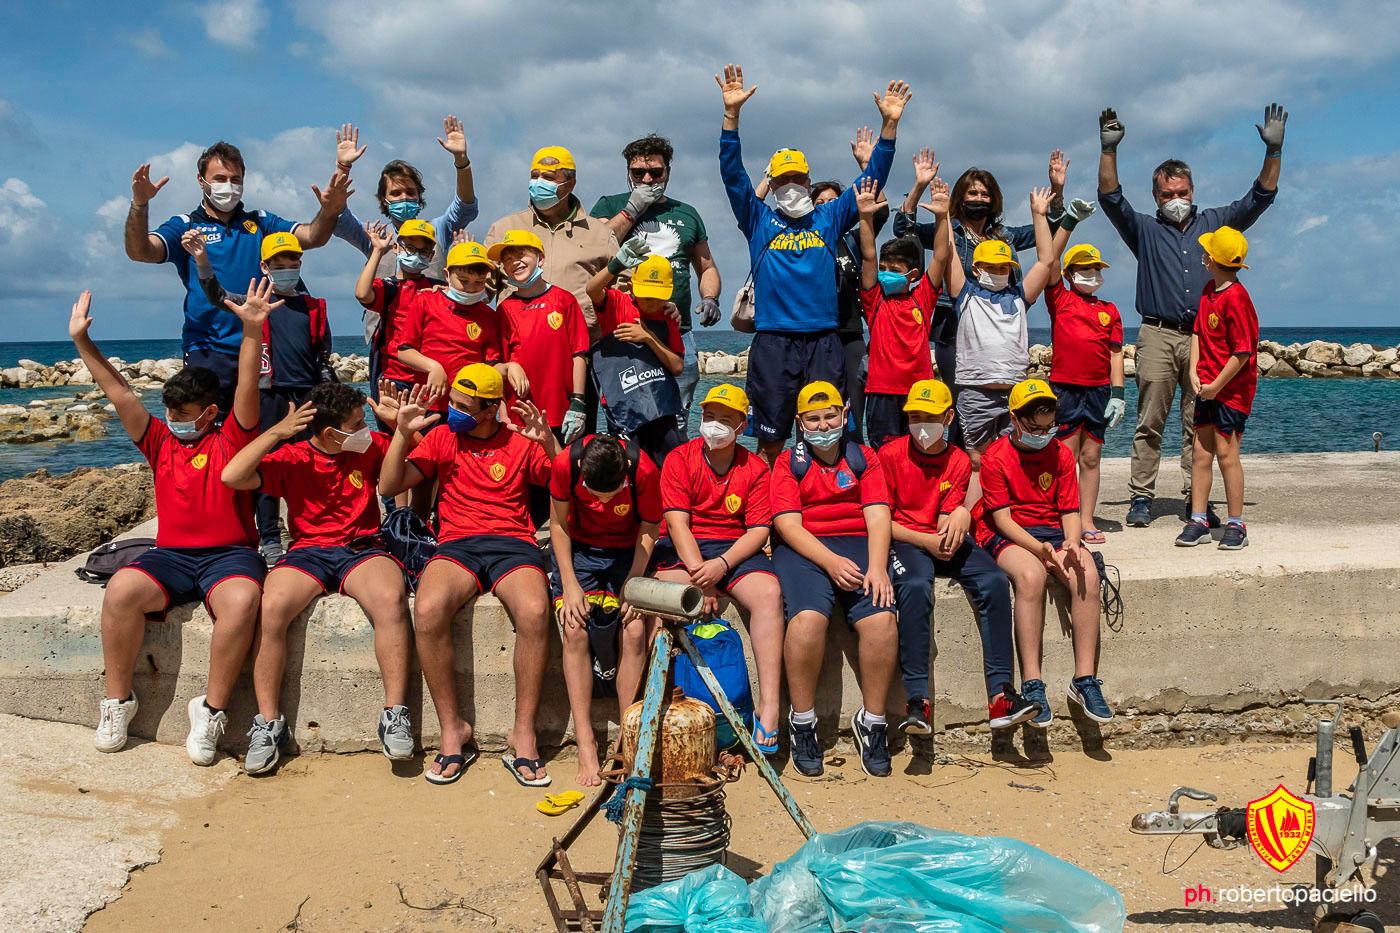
x,y
409,539
723,651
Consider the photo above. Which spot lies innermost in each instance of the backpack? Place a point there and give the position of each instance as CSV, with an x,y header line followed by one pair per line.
x,y
801,460
105,560
723,652
634,461
407,537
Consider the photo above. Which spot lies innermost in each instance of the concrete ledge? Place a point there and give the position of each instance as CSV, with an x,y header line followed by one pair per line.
x,y
1213,645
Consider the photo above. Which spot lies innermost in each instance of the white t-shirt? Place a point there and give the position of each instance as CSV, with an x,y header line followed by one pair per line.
x,y
992,344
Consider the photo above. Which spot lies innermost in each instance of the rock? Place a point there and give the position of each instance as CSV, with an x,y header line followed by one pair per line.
x,y
1328,354
31,365
1317,370
1395,367
1129,352
1265,361
164,369
1344,370
12,412
1291,353
1281,370
52,518
1129,366
345,372
1387,356
1272,347
720,364
12,578
80,377
1357,354
15,376
1375,369
37,403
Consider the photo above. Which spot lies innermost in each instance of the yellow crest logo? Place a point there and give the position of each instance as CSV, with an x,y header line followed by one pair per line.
x,y
918,315
622,508
357,479
1104,318
473,330
1280,827
555,319
250,226
497,471
944,486
925,393
732,503
1045,480
1213,320
198,461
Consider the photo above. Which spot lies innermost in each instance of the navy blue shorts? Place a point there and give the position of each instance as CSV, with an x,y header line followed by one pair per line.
x,y
598,569
1079,407
329,566
779,366
189,574
885,419
807,587
664,557
1052,533
490,558
1226,420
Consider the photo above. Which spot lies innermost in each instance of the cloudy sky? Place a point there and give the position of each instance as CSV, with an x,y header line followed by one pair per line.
x,y
91,91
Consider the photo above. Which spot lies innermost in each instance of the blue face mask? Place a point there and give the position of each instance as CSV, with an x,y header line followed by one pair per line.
x,y
459,422
543,193
413,262
893,283
404,210
464,298
284,280
824,439
1035,441
185,430
534,277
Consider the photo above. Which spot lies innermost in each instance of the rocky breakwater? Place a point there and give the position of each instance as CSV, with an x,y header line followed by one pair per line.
x,y
1318,359
141,374
82,418
719,363
53,518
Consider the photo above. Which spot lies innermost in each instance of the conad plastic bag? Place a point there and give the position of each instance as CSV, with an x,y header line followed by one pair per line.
x,y
896,877
711,900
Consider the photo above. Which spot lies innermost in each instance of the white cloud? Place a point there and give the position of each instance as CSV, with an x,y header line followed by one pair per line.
x,y
149,43
235,23
1310,223
19,208
113,211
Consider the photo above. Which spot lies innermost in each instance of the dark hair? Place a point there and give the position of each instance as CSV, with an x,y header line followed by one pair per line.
x,y
829,185
1172,168
959,192
334,402
193,384
1036,407
399,169
225,152
649,145
603,465
902,249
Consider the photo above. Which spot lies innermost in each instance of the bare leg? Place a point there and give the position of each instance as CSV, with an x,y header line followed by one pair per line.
x,y
130,595
1083,584
578,679
879,659
1028,577
760,595
1227,450
637,637
378,586
1089,454
1202,456
804,648
234,604
526,597
285,594
443,589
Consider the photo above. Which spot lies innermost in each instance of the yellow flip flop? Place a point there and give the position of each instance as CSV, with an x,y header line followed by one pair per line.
x,y
556,804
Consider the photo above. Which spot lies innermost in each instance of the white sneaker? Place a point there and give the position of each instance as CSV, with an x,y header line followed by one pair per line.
x,y
206,729
116,718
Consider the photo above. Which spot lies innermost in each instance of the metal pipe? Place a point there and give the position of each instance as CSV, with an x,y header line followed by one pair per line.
x,y
666,598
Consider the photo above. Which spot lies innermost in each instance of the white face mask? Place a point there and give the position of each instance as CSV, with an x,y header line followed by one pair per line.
x,y
716,434
1088,281
926,435
356,443
1176,210
793,199
994,283
224,195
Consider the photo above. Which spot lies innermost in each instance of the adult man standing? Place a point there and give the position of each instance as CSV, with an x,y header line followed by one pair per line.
x,y
1170,278
233,242
673,230
792,253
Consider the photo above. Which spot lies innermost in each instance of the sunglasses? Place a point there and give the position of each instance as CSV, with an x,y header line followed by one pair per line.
x,y
642,174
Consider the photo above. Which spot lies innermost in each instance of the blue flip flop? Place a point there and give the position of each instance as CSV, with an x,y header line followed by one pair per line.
x,y
513,765
468,756
766,741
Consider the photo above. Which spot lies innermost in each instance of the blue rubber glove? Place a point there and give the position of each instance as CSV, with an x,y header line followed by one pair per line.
x,y
1113,411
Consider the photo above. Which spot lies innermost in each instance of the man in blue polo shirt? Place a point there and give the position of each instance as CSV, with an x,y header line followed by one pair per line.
x,y
1170,278
792,254
233,242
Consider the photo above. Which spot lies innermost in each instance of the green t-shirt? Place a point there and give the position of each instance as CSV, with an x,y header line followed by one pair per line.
x,y
671,228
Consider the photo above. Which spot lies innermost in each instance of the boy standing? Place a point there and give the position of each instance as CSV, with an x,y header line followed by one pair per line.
x,y
1224,378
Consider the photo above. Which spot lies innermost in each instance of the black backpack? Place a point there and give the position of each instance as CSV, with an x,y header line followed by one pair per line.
x,y
801,460
103,563
409,539
634,458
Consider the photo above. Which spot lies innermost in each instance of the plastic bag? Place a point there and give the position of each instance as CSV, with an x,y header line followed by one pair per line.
x,y
712,900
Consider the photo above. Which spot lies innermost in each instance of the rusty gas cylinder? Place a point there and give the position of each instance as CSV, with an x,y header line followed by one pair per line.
x,y
687,742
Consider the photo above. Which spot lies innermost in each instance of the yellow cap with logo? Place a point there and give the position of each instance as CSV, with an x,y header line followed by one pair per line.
x,y
559,158
1023,393
994,253
785,161
515,238
1084,254
730,396
653,278
818,395
479,380
929,395
1227,246
418,228
467,254
279,243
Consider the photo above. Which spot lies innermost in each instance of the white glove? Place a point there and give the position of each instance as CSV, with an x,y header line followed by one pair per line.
x,y
1113,411
572,426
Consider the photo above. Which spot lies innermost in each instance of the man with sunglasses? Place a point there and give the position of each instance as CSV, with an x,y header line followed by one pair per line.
x,y
673,230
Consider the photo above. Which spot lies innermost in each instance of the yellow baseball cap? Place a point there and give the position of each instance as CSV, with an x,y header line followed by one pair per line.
x,y
1084,254
818,395
467,254
479,380
1023,393
418,228
653,278
514,238
994,252
730,396
1227,246
279,243
929,395
563,157
788,160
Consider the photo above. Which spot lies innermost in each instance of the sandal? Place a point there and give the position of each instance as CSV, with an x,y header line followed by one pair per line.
x,y
556,804
767,742
513,765
1092,536
469,754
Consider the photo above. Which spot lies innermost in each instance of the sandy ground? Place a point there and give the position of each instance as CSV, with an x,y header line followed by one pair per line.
x,y
335,843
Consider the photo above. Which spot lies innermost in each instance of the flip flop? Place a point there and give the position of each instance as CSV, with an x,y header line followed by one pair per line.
x,y
556,804
468,756
1092,536
513,765
766,741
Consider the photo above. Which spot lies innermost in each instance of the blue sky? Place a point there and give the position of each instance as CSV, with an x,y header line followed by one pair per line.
x,y
90,92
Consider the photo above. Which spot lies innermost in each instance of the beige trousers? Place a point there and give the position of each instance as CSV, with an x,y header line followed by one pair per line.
x,y
1163,365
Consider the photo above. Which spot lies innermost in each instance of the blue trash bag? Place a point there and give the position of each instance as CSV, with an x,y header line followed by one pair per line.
x,y
712,900
723,651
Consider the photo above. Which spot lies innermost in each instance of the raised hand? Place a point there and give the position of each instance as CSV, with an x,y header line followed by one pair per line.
x,y
867,197
461,236
386,407
532,423
631,253
925,168
381,238
298,417
897,94
1271,131
347,146
337,192
193,242
1040,201
413,415
456,141
256,306
142,188
81,318
939,198
1059,165
732,88
862,146
1111,130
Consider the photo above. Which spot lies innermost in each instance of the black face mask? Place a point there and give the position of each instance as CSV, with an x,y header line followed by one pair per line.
x,y
976,210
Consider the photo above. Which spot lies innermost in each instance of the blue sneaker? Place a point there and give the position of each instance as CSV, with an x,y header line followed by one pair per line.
x,y
1235,538
1193,534
806,749
873,744
1087,693
1139,512
1033,691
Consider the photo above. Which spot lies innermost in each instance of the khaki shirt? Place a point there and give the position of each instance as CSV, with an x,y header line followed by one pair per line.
x,y
573,251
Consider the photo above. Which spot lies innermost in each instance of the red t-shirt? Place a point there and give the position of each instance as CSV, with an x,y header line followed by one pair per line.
x,y
615,523
1226,324
452,335
1083,331
1038,485
924,486
721,506
193,505
483,484
544,334
831,499
620,308
393,316
331,498
899,326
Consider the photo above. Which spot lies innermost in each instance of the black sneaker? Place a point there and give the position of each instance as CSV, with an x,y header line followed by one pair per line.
x,y
1212,518
1193,534
873,743
1235,538
1009,708
1140,512
806,749
918,717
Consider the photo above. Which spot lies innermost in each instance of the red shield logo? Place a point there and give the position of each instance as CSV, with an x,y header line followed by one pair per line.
x,y
1280,827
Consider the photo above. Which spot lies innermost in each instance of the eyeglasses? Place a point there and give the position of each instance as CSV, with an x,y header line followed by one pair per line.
x,y
645,172
1037,430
